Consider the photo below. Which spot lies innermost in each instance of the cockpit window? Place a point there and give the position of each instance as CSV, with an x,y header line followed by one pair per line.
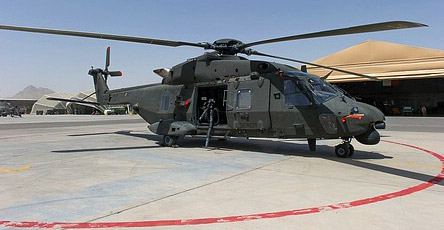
x,y
322,90
294,94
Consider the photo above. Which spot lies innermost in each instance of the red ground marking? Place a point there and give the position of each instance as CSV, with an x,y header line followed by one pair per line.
x,y
14,137
438,178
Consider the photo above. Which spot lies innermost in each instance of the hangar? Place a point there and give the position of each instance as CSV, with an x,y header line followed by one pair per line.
x,y
77,108
410,77
45,106
24,105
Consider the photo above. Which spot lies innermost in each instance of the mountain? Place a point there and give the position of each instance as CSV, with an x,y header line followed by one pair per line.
x,y
32,92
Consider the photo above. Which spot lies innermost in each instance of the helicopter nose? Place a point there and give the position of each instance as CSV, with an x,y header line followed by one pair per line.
x,y
374,115
375,119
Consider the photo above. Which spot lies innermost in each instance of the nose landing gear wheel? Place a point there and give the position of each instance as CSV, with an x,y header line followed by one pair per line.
x,y
169,141
344,150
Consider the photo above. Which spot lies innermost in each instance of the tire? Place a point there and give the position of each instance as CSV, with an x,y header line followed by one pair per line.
x,y
352,150
342,151
169,141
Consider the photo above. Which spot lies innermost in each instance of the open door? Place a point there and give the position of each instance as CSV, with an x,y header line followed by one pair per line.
x,y
216,93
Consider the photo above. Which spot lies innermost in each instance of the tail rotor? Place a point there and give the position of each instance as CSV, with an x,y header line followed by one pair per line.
x,y
100,78
106,72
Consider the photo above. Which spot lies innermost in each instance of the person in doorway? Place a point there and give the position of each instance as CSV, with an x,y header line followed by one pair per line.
x,y
17,111
424,111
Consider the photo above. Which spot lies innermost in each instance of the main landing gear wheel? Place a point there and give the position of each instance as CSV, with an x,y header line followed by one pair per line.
x,y
352,150
344,150
169,141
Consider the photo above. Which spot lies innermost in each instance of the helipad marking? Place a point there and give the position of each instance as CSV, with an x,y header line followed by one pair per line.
x,y
19,136
438,178
14,137
15,171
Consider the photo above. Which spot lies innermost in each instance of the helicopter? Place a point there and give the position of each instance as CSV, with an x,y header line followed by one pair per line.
x,y
221,93
7,109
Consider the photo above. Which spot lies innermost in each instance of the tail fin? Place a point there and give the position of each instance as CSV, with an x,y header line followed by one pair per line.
x,y
100,78
100,85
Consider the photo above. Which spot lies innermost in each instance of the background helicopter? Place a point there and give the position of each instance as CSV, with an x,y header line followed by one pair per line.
x,y
7,109
223,94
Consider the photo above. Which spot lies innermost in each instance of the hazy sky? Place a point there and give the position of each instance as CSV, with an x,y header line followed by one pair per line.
x,y
61,63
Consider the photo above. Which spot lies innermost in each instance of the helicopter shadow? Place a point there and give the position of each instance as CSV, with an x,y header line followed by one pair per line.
x,y
109,148
280,147
103,149
268,146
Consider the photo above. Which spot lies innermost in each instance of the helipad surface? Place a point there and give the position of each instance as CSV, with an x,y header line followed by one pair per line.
x,y
111,171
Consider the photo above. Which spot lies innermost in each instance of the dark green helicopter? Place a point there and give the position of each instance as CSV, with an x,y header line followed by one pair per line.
x,y
222,94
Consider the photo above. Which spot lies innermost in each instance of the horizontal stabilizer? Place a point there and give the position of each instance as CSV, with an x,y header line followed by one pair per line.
x,y
72,100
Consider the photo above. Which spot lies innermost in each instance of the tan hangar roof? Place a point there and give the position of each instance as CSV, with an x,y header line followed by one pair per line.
x,y
386,61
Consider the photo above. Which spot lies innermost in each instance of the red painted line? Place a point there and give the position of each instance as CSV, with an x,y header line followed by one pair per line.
x,y
14,137
359,116
296,212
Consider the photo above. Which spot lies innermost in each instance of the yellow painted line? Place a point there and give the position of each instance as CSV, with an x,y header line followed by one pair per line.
x,y
14,171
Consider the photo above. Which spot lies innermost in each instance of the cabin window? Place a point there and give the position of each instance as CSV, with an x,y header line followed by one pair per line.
x,y
243,99
165,103
294,94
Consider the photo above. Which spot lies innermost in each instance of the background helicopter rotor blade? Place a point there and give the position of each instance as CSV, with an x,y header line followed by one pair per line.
x,y
104,36
393,25
253,52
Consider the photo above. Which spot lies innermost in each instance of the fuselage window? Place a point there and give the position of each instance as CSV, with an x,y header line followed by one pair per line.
x,y
165,102
294,94
243,99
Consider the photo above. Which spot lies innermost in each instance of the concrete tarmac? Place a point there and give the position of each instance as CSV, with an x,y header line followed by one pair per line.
x,y
110,170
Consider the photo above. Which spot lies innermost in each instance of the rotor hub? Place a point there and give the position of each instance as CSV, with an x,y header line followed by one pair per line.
x,y
227,46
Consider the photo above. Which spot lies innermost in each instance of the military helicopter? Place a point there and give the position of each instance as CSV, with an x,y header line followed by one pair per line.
x,y
223,94
7,109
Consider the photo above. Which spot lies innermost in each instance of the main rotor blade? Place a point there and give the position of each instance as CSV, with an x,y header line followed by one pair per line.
x,y
103,36
393,25
163,72
88,96
72,100
253,52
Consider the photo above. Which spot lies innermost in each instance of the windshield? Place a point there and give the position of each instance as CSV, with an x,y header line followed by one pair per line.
x,y
295,94
322,90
